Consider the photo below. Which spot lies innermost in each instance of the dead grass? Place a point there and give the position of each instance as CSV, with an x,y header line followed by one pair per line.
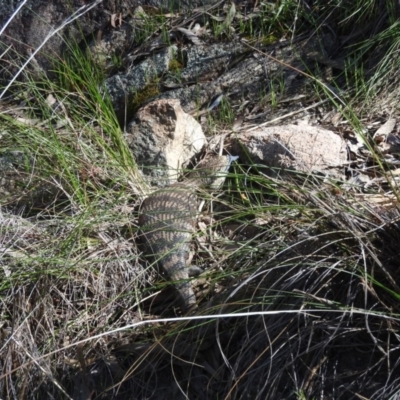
x,y
301,298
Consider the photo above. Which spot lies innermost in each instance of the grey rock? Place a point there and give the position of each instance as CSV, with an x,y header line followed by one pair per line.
x,y
163,139
301,148
122,88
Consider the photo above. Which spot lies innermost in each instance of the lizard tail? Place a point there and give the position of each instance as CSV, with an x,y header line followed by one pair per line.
x,y
176,269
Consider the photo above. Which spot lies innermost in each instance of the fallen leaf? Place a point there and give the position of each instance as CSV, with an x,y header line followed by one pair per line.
x,y
116,20
382,133
191,36
231,14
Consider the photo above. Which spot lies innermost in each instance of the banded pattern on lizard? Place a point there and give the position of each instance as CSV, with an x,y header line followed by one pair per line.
x,y
167,220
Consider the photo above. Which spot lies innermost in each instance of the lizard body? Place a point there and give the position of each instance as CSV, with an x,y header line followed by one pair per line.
x,y
168,218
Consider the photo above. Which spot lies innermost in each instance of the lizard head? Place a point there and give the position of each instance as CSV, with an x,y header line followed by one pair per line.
x,y
211,171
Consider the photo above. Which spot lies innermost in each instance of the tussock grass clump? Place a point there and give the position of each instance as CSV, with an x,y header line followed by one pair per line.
x,y
65,230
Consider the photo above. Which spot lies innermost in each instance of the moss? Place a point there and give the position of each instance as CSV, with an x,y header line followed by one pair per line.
x,y
175,65
269,39
151,11
141,96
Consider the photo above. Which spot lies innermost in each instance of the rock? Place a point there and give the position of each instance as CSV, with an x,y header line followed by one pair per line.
x,y
111,47
14,175
138,81
19,184
35,21
296,147
163,138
